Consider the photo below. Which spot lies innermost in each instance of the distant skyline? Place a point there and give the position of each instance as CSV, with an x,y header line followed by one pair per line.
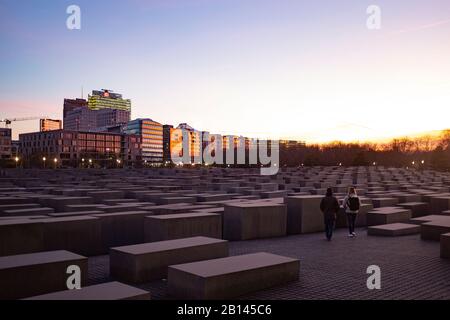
x,y
304,70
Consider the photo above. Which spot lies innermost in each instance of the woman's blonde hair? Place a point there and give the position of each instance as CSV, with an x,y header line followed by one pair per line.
x,y
352,190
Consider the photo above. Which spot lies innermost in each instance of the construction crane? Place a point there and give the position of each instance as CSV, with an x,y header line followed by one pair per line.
x,y
10,120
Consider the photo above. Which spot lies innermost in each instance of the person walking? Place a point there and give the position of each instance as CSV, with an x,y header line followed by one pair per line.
x,y
329,207
352,203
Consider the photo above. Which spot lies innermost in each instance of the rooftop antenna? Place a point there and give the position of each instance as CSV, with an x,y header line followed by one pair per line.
x,y
82,93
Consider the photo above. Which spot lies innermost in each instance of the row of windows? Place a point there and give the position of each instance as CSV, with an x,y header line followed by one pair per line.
x,y
150,127
109,144
71,136
4,142
152,150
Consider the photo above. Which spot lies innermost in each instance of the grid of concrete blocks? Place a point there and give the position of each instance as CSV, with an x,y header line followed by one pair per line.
x,y
177,224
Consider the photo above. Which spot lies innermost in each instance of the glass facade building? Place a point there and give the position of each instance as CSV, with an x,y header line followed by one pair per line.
x,y
70,147
102,110
151,134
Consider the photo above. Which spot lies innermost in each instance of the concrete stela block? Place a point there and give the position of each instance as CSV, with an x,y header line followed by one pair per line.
x,y
175,226
231,277
149,261
32,274
303,214
434,229
445,245
393,230
243,221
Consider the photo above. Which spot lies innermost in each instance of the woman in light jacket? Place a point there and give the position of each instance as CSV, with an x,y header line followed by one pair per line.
x,y
352,203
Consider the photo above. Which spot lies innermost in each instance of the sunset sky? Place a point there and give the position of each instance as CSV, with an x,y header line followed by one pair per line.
x,y
306,70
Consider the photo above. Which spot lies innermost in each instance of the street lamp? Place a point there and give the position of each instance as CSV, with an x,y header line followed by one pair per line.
x,y
55,161
374,163
423,161
17,160
413,162
44,159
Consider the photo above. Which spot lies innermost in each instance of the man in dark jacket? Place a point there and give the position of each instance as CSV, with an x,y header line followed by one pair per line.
x,y
330,207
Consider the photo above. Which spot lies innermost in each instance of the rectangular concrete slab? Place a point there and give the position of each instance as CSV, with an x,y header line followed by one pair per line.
x,y
388,216
445,245
384,202
303,214
433,230
20,236
149,261
37,273
81,234
393,230
231,277
176,226
429,218
255,220
121,229
418,209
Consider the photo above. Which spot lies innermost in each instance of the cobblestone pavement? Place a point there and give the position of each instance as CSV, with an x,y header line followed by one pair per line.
x,y
410,268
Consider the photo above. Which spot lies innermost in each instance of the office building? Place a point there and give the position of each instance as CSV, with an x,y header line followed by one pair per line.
x,y
71,147
102,110
72,104
50,125
80,119
107,99
111,117
5,143
151,133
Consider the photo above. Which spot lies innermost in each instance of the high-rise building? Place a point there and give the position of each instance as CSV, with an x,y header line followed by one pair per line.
x,y
103,109
72,104
151,133
107,99
80,119
71,147
50,124
5,143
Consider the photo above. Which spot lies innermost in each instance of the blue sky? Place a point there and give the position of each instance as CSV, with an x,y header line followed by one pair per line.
x,y
292,69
